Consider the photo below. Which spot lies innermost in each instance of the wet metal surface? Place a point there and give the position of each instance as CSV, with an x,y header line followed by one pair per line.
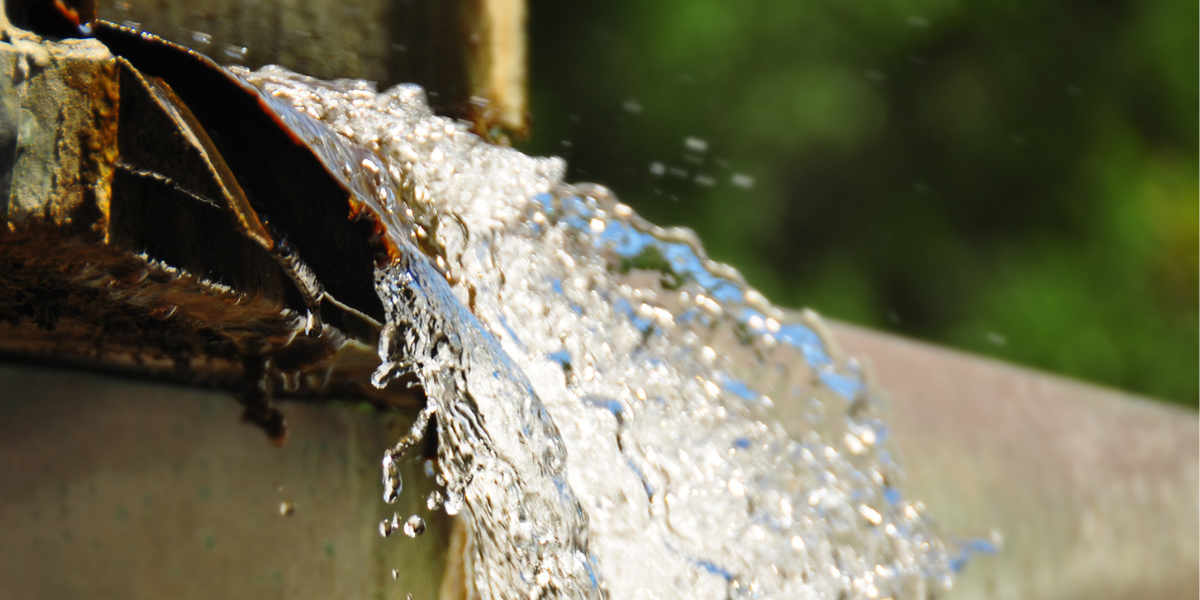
x,y
1070,490
114,488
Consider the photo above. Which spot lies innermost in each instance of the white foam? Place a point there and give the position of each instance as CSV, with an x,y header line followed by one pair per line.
x,y
618,415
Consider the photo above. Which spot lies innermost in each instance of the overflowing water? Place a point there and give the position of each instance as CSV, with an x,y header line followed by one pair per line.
x,y
618,416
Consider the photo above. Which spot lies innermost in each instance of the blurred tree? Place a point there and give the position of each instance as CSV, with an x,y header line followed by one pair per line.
x,y
1012,178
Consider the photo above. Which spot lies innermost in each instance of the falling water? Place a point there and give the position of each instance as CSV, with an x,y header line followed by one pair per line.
x,y
618,416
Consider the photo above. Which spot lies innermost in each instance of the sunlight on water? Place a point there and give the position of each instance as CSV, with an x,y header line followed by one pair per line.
x,y
618,416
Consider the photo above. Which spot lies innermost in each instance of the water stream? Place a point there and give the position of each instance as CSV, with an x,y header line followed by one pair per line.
x,y
618,416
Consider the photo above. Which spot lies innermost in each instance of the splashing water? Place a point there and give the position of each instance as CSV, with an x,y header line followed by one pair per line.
x,y
618,416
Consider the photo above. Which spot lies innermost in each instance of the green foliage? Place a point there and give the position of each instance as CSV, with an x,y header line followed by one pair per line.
x,y
651,259
1013,178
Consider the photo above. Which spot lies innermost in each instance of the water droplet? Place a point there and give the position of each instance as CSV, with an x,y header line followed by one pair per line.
x,y
236,53
435,500
392,483
414,526
854,444
454,504
387,526
391,490
737,487
870,514
742,180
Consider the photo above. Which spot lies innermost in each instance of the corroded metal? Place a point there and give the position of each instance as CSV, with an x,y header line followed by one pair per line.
x,y
128,241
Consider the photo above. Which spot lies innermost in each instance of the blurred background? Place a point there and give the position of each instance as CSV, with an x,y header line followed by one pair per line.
x,y
1012,178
